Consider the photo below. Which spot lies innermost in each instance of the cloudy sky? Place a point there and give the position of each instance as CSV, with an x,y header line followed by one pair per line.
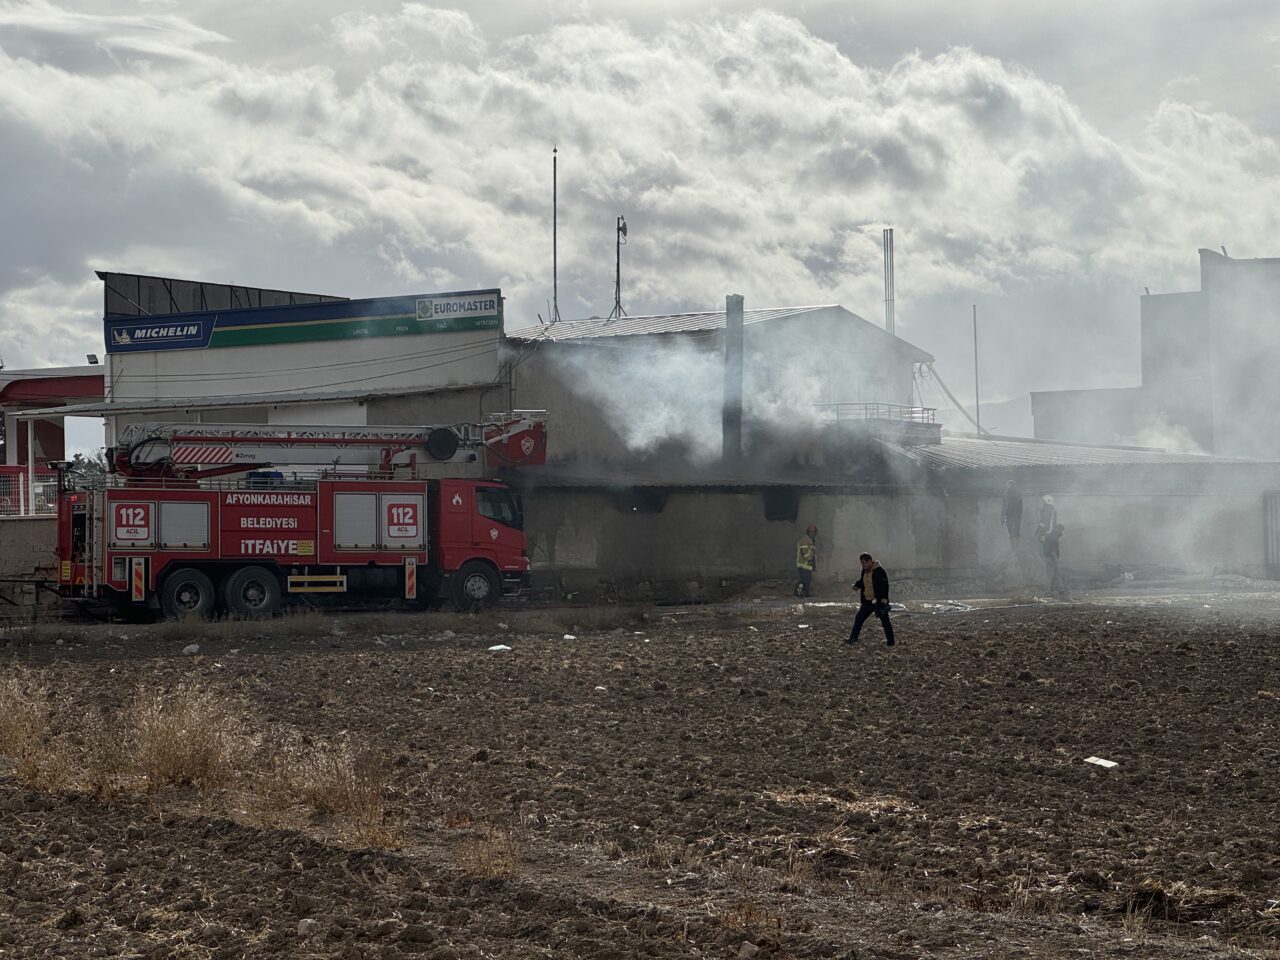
x,y
1044,165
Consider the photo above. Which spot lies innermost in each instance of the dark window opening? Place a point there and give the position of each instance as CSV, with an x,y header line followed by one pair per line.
x,y
782,503
640,500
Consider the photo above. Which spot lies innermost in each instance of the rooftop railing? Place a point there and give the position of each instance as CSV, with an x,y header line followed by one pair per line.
x,y
899,412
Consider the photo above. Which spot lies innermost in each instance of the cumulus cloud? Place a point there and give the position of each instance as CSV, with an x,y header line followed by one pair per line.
x,y
410,150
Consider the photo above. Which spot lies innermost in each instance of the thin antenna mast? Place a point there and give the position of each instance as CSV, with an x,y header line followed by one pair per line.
x,y
554,312
977,397
888,281
618,312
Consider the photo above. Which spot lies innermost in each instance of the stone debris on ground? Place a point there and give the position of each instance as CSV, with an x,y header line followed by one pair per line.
x,y
1099,762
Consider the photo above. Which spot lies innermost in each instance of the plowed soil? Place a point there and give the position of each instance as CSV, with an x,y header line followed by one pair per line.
x,y
699,783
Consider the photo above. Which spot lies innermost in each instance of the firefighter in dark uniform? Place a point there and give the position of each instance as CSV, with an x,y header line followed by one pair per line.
x,y
1011,514
1050,550
806,561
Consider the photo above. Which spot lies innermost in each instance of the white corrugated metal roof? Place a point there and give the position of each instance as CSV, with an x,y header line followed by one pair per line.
x,y
657,323
972,452
571,331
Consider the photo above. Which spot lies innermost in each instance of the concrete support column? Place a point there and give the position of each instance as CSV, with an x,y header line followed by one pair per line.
x,y
11,427
29,505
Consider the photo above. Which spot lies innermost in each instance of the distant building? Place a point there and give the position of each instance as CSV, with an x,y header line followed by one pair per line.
x,y
1209,371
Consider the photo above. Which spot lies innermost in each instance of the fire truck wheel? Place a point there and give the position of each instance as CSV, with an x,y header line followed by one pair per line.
x,y
187,593
252,592
476,586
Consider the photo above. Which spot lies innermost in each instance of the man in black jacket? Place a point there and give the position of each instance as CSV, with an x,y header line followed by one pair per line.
x,y
873,590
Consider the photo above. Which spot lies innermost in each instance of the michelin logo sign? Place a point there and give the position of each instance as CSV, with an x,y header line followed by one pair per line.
x,y
173,335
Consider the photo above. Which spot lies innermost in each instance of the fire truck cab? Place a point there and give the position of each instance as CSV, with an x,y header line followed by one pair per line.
x,y
172,529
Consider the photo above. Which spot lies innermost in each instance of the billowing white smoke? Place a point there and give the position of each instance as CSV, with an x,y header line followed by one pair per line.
x,y
655,393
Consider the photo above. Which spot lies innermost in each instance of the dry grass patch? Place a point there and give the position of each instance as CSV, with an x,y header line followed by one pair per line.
x,y
749,915
185,737
490,852
797,870
335,779
871,805
25,712
666,854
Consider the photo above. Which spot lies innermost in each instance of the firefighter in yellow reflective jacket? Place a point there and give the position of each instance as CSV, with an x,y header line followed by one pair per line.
x,y
806,561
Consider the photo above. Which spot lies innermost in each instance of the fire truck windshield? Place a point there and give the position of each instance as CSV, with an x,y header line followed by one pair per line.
x,y
498,504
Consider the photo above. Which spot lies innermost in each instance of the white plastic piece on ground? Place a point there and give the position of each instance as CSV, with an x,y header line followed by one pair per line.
x,y
1099,762
804,626
601,690
499,648
570,636
753,629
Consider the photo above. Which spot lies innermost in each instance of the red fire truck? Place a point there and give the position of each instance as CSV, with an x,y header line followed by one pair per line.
x,y
374,512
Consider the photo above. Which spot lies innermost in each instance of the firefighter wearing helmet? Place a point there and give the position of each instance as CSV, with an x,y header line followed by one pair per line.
x,y
806,561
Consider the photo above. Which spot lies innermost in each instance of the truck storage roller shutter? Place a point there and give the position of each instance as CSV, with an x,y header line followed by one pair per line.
x,y
355,521
184,526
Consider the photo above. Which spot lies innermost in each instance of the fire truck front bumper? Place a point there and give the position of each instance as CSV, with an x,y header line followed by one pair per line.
x,y
514,582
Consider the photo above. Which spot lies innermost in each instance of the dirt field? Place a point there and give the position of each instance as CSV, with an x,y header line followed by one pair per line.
x,y
701,783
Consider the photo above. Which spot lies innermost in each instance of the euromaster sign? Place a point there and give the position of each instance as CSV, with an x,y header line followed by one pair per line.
x,y
308,322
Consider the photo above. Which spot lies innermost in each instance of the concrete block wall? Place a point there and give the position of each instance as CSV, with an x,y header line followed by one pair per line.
x,y
701,541
26,552
704,541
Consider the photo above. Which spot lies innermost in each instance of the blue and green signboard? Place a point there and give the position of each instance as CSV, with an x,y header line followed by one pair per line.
x,y
472,310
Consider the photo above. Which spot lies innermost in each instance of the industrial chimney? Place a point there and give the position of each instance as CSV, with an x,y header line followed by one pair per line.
x,y
731,444
889,283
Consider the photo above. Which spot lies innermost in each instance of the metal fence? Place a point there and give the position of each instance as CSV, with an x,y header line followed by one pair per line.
x,y
879,411
20,497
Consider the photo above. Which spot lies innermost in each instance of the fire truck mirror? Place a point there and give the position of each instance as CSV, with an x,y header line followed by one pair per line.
x,y
442,444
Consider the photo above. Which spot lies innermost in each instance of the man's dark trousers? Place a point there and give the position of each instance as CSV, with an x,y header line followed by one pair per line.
x,y
865,610
805,587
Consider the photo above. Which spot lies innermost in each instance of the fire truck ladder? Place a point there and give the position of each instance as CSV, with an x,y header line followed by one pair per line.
x,y
192,450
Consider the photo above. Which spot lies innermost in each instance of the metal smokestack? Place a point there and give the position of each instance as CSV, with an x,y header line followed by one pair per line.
x,y
888,280
731,445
